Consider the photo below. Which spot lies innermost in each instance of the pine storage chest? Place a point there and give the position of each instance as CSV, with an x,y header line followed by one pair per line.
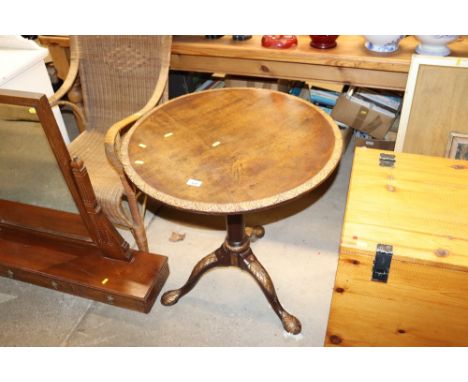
x,y
402,277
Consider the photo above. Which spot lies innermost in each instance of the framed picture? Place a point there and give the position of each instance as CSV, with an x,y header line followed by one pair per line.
x,y
457,147
435,104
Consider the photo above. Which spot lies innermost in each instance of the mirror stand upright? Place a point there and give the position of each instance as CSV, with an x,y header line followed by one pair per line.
x,y
53,232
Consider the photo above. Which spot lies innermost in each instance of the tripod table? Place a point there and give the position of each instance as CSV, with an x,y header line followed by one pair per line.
x,y
227,152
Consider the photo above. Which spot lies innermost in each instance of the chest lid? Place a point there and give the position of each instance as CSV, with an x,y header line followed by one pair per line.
x,y
417,204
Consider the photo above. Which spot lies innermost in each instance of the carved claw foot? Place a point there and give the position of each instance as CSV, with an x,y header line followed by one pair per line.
x,y
290,323
171,297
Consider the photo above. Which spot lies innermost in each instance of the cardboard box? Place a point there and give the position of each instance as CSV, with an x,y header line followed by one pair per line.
x,y
380,144
262,83
365,140
363,115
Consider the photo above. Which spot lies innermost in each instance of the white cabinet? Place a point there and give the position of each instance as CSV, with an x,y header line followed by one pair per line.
x,y
24,69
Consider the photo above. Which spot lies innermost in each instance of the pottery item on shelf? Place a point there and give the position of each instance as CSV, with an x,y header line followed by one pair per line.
x,y
279,41
434,45
241,37
213,36
383,43
323,41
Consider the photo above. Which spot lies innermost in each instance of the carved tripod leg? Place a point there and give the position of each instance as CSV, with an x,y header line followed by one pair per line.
x,y
210,261
250,263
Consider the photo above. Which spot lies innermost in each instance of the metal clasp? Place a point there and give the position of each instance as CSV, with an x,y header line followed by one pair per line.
x,y
382,261
387,160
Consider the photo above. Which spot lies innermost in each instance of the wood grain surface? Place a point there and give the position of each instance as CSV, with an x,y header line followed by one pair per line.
x,y
80,269
241,149
46,220
419,306
419,207
350,52
350,62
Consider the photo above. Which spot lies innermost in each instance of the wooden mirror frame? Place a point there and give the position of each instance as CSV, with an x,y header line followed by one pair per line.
x,y
90,225
83,253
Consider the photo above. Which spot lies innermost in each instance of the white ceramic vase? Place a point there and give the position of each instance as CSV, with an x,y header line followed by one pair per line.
x,y
434,45
383,43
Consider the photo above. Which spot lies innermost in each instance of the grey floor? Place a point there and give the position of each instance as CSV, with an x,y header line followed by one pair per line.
x,y
226,308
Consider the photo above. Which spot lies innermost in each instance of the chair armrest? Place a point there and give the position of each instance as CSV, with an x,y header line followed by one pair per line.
x,y
79,116
112,137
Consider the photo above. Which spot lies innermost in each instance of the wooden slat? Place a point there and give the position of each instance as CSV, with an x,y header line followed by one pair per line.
x,y
44,220
290,71
80,269
419,207
350,52
60,59
419,306
63,41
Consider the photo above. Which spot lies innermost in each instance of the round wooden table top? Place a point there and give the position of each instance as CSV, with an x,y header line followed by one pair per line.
x,y
231,150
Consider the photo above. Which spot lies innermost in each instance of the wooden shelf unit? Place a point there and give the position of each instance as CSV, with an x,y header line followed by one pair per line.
x,y
349,63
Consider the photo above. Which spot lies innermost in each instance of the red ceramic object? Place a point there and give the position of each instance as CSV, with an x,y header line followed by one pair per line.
x,y
323,41
279,41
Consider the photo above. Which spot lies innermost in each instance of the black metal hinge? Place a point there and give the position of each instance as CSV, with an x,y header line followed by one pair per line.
x,y
386,160
383,258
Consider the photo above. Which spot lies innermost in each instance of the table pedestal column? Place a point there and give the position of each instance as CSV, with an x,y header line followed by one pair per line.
x,y
236,251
